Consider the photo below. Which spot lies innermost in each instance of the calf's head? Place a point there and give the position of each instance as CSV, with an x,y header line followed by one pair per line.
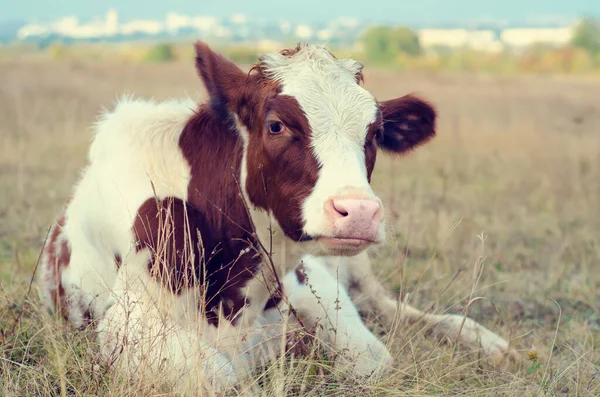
x,y
311,134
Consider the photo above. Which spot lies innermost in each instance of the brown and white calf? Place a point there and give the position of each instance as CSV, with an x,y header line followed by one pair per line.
x,y
164,239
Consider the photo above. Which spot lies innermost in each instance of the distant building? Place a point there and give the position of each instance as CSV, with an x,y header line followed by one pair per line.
x,y
481,40
177,22
112,23
142,26
324,34
31,30
238,19
304,32
525,37
71,27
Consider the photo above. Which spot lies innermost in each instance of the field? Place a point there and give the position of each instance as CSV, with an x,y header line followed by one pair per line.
x,y
510,189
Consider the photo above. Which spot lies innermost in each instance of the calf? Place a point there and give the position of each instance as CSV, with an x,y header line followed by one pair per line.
x,y
176,234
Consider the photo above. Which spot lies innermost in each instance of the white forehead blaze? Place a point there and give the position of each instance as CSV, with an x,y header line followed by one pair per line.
x,y
336,107
339,112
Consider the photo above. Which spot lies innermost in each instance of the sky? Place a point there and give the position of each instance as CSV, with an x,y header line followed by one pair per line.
x,y
400,11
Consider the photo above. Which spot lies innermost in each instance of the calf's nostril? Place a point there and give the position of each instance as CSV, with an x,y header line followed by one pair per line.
x,y
340,209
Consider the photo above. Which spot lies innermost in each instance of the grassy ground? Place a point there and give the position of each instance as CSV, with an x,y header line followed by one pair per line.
x,y
513,178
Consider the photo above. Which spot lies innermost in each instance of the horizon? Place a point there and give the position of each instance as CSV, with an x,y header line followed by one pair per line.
x,y
424,12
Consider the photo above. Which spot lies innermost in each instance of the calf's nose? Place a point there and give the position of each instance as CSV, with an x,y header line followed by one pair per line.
x,y
355,218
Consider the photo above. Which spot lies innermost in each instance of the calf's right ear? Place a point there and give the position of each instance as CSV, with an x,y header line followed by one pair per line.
x,y
221,77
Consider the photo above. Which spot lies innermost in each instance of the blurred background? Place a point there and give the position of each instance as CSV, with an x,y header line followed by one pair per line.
x,y
503,204
466,35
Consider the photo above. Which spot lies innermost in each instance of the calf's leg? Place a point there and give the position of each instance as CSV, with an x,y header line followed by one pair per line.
x,y
322,304
370,295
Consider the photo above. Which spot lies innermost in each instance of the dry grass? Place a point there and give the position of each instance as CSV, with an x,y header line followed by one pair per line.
x,y
513,177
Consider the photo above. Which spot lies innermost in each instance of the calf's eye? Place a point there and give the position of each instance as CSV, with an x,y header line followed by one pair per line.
x,y
276,127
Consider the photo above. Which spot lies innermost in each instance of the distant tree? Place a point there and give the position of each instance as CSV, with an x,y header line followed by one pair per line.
x,y
406,41
587,35
383,43
160,53
376,41
242,54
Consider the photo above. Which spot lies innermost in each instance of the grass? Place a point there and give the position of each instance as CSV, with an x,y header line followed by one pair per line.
x,y
513,180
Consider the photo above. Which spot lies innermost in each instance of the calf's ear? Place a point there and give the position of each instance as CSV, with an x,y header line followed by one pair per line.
x,y
221,77
408,122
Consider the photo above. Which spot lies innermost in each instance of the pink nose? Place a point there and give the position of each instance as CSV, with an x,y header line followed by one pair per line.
x,y
355,218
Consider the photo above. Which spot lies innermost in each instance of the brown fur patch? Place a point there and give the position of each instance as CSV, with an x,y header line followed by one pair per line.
x,y
275,299
56,255
282,172
188,252
300,273
374,131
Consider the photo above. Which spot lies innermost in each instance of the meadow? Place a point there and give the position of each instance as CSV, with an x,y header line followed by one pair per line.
x,y
501,206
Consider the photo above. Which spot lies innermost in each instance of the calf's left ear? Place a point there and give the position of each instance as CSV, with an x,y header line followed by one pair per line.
x,y
408,122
